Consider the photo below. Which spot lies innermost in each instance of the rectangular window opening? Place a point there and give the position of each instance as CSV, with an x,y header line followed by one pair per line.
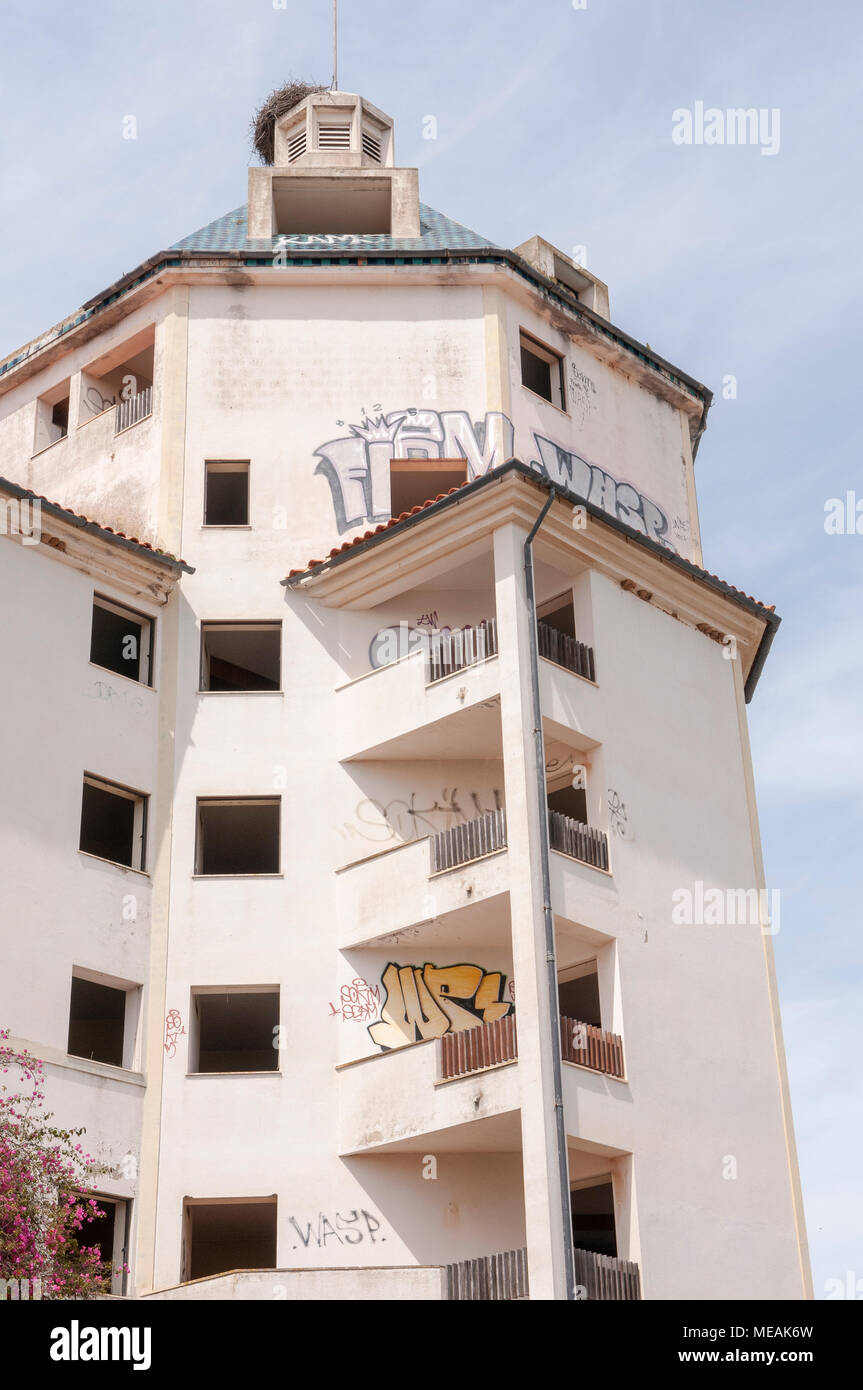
x,y
569,801
332,205
593,1227
578,995
52,416
235,1031
542,371
241,656
109,1234
558,614
98,1024
414,481
121,640
226,493
238,836
220,1236
113,823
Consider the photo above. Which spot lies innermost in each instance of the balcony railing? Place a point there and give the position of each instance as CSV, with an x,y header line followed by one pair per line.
x,y
566,651
577,840
134,409
504,1277
492,1044
604,1277
591,1047
453,651
473,840
489,1277
477,1049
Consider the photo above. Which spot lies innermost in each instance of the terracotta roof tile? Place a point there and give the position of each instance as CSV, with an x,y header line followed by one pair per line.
x,y
82,520
403,516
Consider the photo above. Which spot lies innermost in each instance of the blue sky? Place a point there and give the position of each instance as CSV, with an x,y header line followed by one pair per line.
x,y
558,120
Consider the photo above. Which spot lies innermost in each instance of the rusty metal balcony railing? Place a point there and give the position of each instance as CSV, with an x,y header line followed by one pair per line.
x,y
472,840
605,1277
577,840
451,651
489,1277
134,409
477,1049
591,1047
566,651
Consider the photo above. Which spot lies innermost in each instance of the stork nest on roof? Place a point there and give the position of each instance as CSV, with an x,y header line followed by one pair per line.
x,y
277,104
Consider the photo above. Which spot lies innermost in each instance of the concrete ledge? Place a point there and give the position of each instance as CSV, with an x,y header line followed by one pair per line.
x,y
370,1283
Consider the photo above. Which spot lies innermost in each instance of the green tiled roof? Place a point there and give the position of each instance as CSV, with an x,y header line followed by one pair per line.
x,y
438,233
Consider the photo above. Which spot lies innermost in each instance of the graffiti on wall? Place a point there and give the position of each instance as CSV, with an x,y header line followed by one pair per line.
x,y
423,1002
618,816
347,1228
358,1002
403,819
174,1030
581,393
357,465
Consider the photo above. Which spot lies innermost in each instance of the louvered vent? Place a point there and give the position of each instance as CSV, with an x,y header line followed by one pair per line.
x,y
297,144
371,146
335,137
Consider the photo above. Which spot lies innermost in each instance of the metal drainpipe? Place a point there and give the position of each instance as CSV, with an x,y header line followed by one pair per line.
x,y
548,915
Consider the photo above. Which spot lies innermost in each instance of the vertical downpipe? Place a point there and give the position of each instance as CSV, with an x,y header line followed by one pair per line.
x,y
548,915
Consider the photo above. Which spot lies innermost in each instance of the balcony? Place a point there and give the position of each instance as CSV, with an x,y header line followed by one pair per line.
x,y
393,1102
391,890
503,1277
566,651
578,841
136,408
398,712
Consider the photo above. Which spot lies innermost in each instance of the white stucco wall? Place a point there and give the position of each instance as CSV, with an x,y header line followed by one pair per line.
x,y
274,374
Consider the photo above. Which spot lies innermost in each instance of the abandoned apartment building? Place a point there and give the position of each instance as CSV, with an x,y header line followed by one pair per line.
x,y
338,870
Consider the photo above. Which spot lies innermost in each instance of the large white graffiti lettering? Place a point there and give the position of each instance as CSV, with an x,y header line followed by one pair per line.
x,y
357,465
426,1002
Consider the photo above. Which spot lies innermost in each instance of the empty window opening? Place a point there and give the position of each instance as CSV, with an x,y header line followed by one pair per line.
x,y
113,822
120,640
121,378
97,1022
569,801
226,493
415,481
241,656
556,637
52,416
108,1234
542,370
578,995
325,205
238,836
219,1236
593,1218
235,1031
558,614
